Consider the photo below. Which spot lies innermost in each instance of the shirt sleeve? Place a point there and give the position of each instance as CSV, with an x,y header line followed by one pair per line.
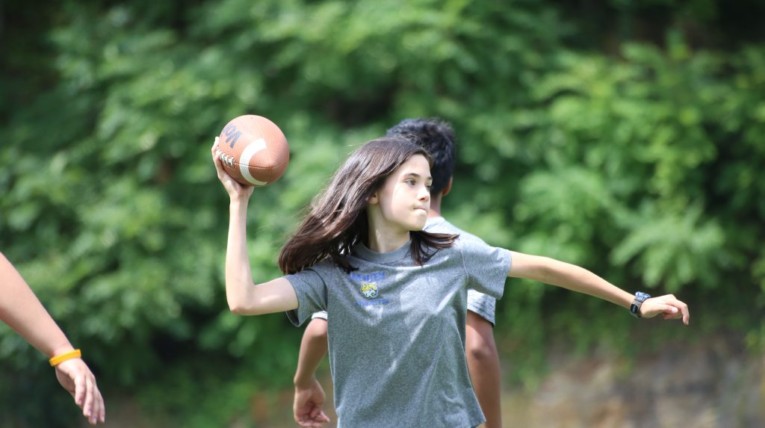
x,y
486,266
311,291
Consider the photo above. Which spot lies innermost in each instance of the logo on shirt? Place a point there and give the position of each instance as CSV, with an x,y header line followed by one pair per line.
x,y
369,290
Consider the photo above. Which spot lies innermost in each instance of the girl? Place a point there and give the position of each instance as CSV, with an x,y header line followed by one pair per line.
x,y
395,294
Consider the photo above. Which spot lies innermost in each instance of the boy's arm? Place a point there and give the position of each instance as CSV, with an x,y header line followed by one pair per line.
x,y
313,348
484,366
575,278
308,403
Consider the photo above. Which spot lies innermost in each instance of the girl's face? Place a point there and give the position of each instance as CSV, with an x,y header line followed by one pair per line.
x,y
403,202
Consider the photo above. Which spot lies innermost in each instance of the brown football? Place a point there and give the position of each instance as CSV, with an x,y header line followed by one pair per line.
x,y
253,150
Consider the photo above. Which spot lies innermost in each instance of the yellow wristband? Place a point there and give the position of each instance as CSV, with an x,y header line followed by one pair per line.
x,y
60,358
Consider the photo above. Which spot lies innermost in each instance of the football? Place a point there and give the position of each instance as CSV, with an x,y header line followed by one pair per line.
x,y
253,150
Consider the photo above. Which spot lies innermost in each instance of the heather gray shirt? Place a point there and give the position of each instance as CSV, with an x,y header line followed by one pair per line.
x,y
397,332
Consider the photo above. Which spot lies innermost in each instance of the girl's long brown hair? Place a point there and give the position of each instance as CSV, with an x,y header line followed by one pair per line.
x,y
337,218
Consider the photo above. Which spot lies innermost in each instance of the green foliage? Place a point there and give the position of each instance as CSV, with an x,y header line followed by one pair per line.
x,y
638,160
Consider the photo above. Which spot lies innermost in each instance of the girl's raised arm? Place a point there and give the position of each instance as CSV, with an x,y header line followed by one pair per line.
x,y
575,278
243,296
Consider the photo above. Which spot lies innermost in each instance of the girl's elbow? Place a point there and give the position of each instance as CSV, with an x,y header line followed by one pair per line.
x,y
237,308
234,308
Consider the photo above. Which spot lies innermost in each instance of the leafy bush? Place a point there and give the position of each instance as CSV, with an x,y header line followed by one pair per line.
x,y
639,162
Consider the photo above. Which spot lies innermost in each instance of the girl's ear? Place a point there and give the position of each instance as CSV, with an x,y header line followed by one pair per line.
x,y
374,199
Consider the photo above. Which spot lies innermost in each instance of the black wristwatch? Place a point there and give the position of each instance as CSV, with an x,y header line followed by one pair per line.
x,y
640,297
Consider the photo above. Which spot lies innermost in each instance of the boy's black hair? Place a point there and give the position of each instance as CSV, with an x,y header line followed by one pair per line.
x,y
436,136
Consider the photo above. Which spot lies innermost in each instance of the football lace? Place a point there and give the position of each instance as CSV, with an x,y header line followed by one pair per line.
x,y
228,160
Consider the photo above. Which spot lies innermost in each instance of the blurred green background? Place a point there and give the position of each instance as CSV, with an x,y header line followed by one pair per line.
x,y
624,136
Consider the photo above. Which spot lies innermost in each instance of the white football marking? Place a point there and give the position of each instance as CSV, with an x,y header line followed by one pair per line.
x,y
244,161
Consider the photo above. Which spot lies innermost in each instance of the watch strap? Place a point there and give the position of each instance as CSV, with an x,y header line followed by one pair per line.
x,y
640,297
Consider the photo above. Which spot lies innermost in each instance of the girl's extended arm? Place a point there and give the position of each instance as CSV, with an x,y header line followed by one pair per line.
x,y
575,278
243,296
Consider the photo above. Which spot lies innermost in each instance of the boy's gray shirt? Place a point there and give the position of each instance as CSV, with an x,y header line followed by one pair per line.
x,y
397,330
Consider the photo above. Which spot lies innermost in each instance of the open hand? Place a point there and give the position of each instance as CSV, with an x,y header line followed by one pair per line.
x,y
75,376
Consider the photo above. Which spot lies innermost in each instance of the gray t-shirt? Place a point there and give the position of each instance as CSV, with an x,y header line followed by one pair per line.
x,y
481,304
397,332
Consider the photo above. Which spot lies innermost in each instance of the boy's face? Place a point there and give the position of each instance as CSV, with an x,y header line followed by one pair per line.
x,y
404,198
